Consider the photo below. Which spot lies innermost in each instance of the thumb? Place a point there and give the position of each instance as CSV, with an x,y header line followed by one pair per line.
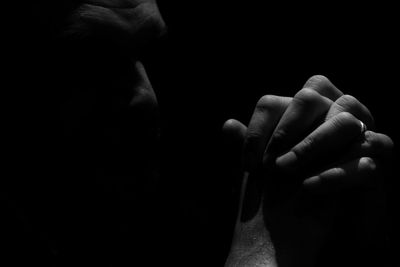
x,y
233,133
246,191
233,136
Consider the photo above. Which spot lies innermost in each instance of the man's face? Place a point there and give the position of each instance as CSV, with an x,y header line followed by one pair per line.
x,y
92,114
89,67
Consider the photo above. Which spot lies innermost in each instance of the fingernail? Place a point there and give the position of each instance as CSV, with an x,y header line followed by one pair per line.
x,y
287,161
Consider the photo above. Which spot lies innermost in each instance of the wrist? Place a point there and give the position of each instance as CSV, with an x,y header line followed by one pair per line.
x,y
251,245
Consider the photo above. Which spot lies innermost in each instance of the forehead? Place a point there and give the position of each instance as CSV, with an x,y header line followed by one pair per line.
x,y
128,22
49,13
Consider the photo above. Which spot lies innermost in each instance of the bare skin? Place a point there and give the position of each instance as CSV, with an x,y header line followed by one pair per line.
x,y
298,152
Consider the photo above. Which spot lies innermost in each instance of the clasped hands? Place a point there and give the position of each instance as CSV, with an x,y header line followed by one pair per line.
x,y
298,154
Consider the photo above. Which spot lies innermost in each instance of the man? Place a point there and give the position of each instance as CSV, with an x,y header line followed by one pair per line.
x,y
95,123
89,194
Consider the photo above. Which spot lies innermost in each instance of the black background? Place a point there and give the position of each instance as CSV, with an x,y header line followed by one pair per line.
x,y
217,60
227,54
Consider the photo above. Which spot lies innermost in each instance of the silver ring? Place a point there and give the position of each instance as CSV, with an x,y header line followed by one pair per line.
x,y
363,127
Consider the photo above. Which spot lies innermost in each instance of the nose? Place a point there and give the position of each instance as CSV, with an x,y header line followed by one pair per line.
x,y
144,97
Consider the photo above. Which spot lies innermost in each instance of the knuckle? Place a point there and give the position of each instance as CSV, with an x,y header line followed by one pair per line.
x,y
279,135
229,125
278,139
307,96
252,136
351,104
390,145
252,143
348,101
387,142
367,164
379,143
268,102
347,119
372,141
375,143
336,172
306,145
317,80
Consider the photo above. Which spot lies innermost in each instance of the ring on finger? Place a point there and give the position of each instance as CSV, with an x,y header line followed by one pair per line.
x,y
363,127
